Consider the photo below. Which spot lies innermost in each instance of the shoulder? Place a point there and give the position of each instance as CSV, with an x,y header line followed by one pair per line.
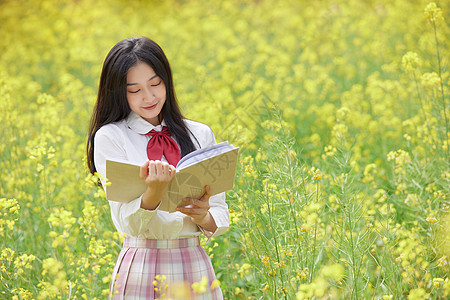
x,y
201,132
111,131
198,127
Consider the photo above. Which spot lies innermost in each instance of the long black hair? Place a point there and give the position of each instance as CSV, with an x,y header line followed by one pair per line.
x,y
112,104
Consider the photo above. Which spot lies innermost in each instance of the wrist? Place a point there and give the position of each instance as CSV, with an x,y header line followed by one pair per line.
x,y
150,199
208,223
205,220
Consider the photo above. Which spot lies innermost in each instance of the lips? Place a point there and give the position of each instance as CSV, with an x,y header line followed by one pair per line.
x,y
150,107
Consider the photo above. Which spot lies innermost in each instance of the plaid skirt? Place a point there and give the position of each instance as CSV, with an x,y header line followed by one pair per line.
x,y
163,269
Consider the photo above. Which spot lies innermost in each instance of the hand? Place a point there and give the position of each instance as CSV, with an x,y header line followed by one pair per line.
x,y
157,175
198,210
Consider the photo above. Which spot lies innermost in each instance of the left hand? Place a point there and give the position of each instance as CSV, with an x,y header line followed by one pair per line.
x,y
197,209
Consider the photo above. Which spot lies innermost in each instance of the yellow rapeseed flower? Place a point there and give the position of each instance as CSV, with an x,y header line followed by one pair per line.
x,y
431,220
410,61
430,80
215,284
433,13
317,175
417,294
437,282
200,287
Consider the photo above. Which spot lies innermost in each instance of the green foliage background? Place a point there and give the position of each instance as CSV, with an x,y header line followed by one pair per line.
x,y
343,136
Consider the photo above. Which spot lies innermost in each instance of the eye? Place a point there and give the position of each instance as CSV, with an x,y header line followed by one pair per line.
x,y
133,92
157,83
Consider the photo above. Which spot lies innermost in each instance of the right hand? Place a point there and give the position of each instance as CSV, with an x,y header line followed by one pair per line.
x,y
157,175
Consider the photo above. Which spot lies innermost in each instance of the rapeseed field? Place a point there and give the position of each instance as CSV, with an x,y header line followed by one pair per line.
x,y
340,109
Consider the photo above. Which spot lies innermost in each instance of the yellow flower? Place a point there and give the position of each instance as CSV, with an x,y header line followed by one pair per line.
x,y
410,61
9,208
160,286
431,220
23,293
215,284
292,154
316,175
437,282
417,294
200,287
302,275
431,80
265,260
334,271
244,269
433,13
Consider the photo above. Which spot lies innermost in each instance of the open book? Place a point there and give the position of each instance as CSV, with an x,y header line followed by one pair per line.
x,y
214,166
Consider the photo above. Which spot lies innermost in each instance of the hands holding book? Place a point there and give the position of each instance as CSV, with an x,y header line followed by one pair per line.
x,y
198,210
163,186
158,176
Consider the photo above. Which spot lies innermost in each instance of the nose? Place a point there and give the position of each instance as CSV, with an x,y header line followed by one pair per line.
x,y
148,94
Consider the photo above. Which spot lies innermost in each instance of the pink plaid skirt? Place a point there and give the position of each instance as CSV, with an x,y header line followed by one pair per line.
x,y
163,269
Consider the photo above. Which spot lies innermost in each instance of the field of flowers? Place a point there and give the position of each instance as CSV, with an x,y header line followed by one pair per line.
x,y
341,110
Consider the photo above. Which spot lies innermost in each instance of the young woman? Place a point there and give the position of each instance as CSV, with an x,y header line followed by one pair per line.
x,y
137,118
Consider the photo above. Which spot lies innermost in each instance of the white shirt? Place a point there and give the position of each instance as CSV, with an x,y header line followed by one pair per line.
x,y
126,140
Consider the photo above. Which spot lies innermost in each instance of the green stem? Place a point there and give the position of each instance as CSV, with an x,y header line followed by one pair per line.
x,y
274,235
291,208
423,107
355,286
442,89
315,234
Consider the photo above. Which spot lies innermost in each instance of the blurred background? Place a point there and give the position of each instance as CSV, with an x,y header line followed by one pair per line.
x,y
340,109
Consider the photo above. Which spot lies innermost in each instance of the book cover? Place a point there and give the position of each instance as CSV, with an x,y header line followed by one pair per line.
x,y
214,166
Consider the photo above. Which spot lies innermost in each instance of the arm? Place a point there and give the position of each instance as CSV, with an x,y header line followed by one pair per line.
x,y
210,213
198,210
130,218
157,175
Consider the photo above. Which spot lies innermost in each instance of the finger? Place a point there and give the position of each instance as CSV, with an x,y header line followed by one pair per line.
x,y
143,170
192,212
165,170
172,172
196,202
158,166
152,168
207,194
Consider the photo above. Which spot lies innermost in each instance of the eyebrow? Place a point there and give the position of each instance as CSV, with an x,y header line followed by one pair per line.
x,y
154,76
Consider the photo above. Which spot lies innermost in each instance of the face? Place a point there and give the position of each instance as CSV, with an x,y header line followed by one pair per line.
x,y
146,92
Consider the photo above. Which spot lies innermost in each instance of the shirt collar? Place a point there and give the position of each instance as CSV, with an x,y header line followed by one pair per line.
x,y
141,126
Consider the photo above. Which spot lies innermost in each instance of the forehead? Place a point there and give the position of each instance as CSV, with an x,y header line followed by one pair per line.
x,y
140,72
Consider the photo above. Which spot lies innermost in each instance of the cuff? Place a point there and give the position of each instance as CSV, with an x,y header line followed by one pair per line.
x,y
222,226
136,219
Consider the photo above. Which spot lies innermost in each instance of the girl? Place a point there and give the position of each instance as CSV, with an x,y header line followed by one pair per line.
x,y
137,118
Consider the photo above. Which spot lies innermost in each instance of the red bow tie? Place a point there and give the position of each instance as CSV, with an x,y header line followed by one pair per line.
x,y
161,143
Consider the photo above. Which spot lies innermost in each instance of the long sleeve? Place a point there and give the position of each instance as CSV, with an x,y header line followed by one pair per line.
x,y
129,217
126,140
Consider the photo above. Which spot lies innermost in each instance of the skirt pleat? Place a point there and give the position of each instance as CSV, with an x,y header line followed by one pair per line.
x,y
142,272
123,274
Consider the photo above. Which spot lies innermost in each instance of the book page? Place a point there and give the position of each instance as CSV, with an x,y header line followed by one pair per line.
x,y
217,171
